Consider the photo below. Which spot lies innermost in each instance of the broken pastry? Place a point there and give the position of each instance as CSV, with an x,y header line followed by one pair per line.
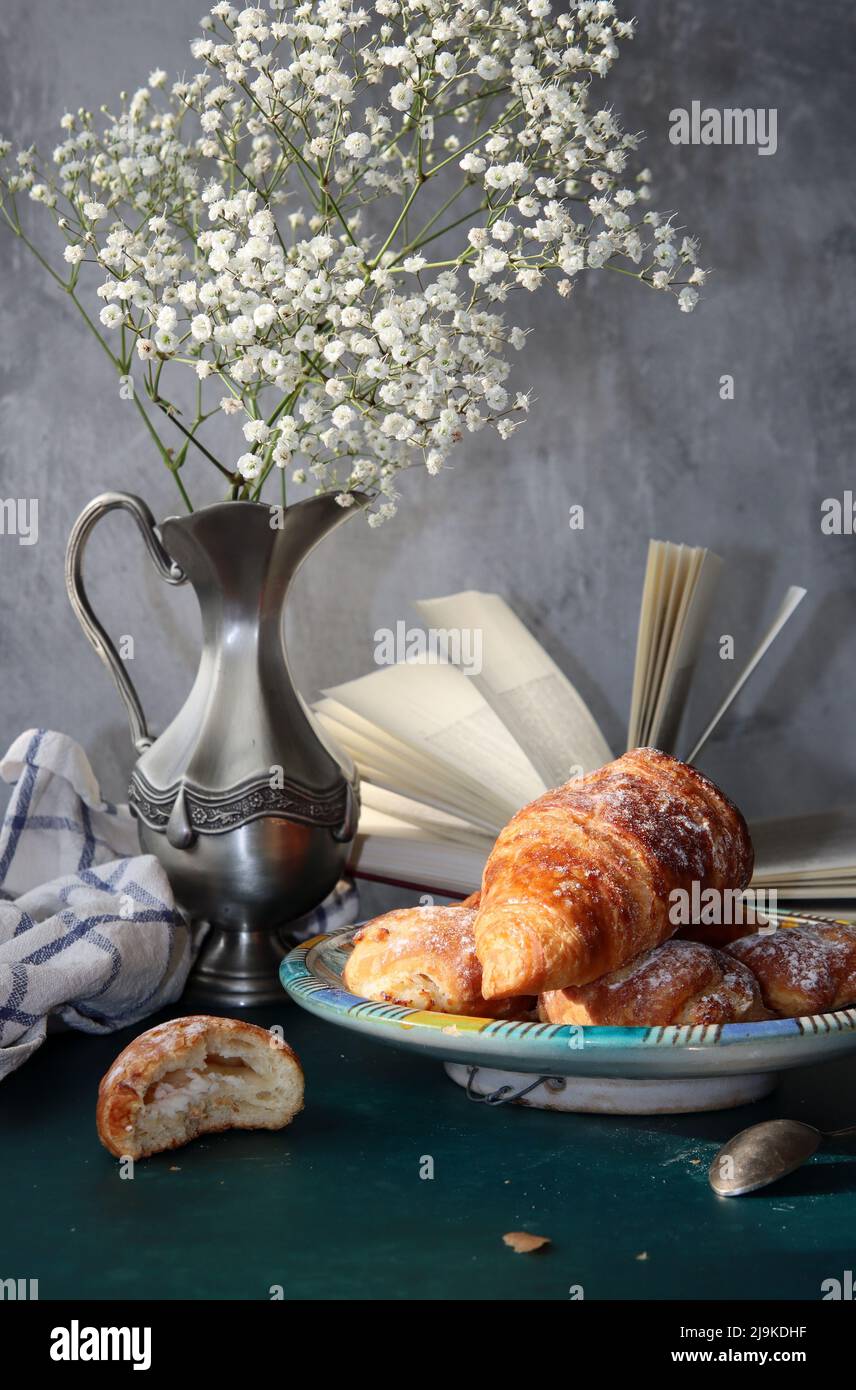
x,y
195,1076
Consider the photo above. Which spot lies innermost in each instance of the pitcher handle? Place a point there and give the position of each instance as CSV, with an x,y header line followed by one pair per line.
x,y
166,568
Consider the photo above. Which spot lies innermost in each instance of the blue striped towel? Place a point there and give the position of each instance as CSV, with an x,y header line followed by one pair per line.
x,y
75,892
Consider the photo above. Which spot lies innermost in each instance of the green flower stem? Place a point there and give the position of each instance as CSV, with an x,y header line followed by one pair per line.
x,y
159,444
449,227
634,274
171,413
325,174
419,239
405,130
425,175
286,405
164,452
468,101
508,115
303,164
399,219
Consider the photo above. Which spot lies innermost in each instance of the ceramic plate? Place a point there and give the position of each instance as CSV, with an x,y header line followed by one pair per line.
x,y
312,975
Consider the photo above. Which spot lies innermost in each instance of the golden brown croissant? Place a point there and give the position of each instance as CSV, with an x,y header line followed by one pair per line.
x,y
802,970
424,958
678,982
578,882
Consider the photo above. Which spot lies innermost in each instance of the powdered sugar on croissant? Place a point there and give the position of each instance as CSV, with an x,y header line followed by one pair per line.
x,y
423,958
802,970
579,881
680,982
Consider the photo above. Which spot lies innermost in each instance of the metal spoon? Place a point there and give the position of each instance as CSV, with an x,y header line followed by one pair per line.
x,y
764,1153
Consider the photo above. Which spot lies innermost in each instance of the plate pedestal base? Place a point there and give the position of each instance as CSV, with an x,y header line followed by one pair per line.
x,y
612,1095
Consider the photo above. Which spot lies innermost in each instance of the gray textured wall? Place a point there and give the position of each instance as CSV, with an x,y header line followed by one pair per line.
x,y
628,422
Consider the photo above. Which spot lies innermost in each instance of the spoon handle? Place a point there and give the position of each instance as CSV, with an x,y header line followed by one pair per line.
x,y
839,1133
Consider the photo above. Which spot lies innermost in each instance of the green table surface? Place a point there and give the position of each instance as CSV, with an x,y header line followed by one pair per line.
x,y
334,1206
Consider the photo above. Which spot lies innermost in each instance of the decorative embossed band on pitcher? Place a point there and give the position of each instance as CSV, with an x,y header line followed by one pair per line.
x,y
243,800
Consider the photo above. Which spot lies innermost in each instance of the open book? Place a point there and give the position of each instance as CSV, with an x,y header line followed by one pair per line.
x,y
810,856
477,719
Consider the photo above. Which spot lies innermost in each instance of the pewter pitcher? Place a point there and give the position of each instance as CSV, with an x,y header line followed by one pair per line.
x,y
249,809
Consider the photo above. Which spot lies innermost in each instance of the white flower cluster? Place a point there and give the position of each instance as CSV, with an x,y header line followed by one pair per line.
x,y
270,223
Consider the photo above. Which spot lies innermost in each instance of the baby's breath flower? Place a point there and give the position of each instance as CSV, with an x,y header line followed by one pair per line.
x,y
249,466
256,431
262,220
401,96
357,145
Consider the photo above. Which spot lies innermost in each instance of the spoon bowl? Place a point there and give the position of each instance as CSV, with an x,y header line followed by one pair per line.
x,y
762,1154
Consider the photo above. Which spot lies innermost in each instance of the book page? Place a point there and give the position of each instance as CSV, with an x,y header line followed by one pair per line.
x,y
433,824
669,579
368,742
820,846
399,767
647,642
677,595
790,603
392,851
694,602
436,709
815,897
537,704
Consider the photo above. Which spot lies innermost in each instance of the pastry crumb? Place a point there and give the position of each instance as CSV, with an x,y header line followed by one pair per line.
x,y
523,1243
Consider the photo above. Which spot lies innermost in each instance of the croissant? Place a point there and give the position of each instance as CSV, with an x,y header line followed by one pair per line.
x,y
579,881
802,970
424,958
678,982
